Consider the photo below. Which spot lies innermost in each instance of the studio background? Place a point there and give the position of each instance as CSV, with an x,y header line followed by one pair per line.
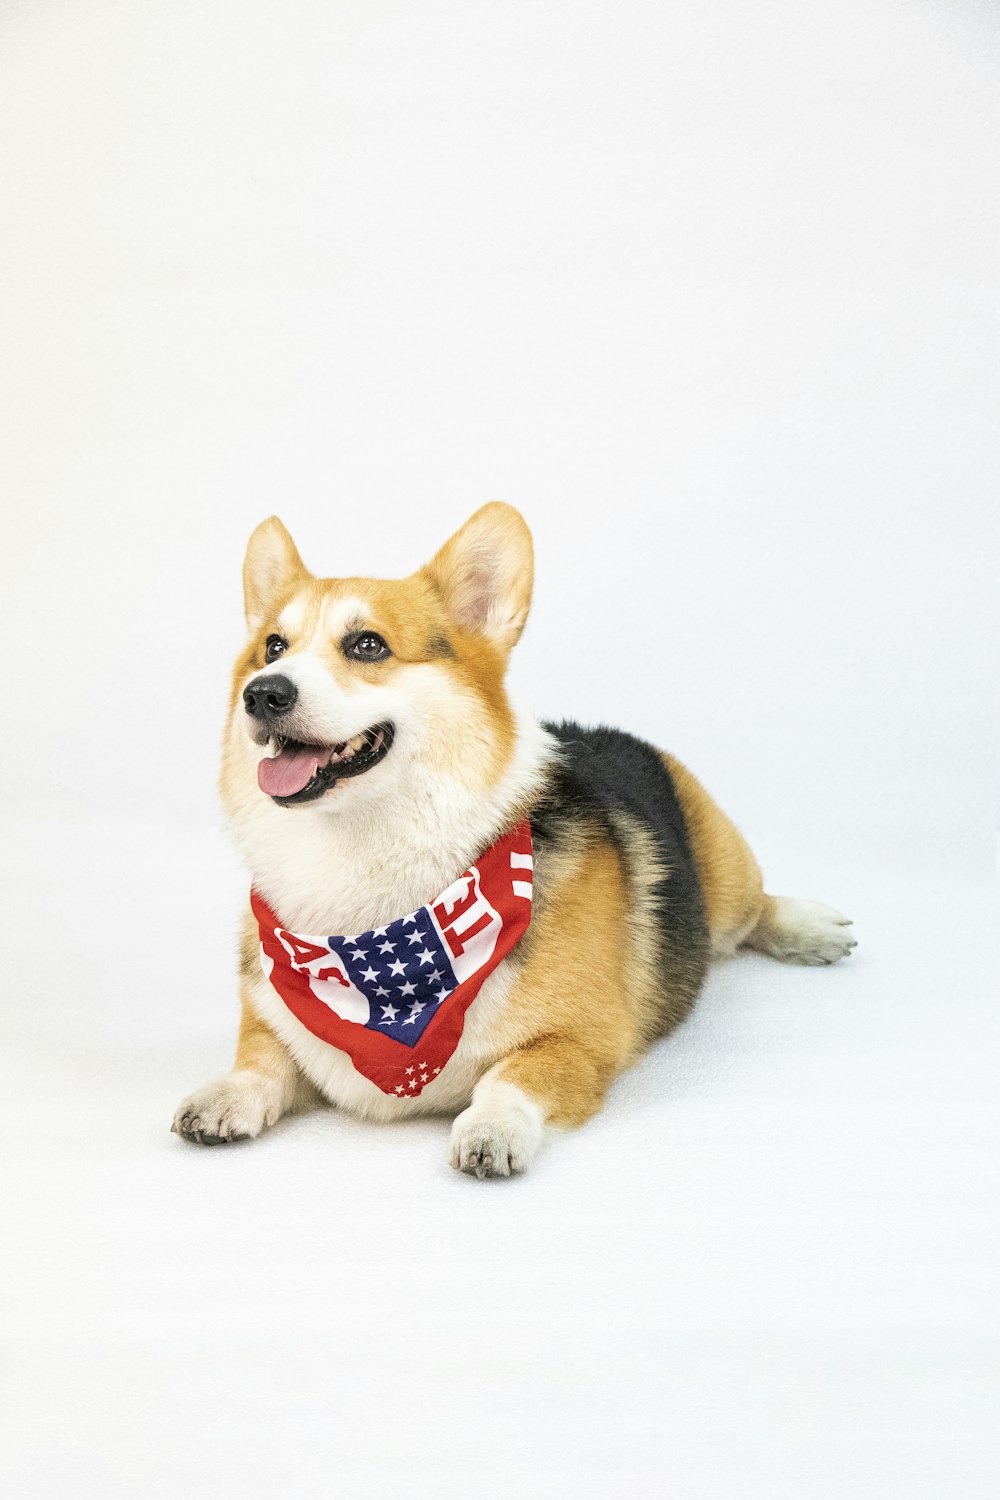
x,y
710,293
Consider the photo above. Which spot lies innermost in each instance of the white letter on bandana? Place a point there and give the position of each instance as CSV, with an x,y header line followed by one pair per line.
x,y
328,979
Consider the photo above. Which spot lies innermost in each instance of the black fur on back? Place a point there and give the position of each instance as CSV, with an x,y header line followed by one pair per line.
x,y
605,783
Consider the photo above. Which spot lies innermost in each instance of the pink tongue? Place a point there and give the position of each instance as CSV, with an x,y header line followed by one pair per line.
x,y
286,773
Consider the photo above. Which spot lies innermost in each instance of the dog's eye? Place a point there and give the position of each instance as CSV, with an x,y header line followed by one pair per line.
x,y
276,646
367,646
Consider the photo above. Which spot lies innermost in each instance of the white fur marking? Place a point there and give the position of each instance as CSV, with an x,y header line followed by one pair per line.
x,y
291,622
804,932
499,1133
233,1108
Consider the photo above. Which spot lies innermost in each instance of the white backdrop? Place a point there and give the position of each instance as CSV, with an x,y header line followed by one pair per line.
x,y
708,290
709,293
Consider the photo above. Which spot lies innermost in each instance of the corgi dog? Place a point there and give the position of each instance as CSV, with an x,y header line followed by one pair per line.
x,y
455,909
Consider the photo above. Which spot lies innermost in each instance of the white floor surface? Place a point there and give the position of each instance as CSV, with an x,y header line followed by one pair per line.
x,y
767,1270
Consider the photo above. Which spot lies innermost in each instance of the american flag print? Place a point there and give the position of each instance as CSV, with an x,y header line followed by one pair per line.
x,y
394,998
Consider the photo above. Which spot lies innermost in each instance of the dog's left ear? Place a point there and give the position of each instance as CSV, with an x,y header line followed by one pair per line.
x,y
270,569
484,574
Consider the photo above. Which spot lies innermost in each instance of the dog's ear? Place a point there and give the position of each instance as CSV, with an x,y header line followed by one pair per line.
x,y
270,569
484,574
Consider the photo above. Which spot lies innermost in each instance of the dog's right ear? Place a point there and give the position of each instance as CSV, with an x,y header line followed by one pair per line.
x,y
270,569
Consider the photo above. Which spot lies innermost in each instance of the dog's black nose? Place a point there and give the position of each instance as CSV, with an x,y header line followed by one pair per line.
x,y
269,697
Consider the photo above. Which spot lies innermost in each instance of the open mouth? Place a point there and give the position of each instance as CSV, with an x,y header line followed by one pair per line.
x,y
300,773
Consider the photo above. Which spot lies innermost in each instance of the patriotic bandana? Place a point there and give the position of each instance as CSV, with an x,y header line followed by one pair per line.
x,y
394,999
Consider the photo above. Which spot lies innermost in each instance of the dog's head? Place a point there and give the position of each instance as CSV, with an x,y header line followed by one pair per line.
x,y
346,685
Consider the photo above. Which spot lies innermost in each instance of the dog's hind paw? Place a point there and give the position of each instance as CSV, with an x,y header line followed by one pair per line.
x,y
802,932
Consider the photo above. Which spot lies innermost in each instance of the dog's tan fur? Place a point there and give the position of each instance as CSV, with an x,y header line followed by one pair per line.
x,y
467,767
732,886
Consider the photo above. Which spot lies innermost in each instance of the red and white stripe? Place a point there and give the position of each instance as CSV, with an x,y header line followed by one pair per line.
x,y
522,886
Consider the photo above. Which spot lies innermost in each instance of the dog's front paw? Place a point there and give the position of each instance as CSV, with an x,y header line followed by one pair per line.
x,y
498,1135
234,1108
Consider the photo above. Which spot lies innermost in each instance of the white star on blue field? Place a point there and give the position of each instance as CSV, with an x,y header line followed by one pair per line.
x,y
403,971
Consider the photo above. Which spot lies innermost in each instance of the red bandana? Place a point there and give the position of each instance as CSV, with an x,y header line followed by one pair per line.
x,y
395,999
